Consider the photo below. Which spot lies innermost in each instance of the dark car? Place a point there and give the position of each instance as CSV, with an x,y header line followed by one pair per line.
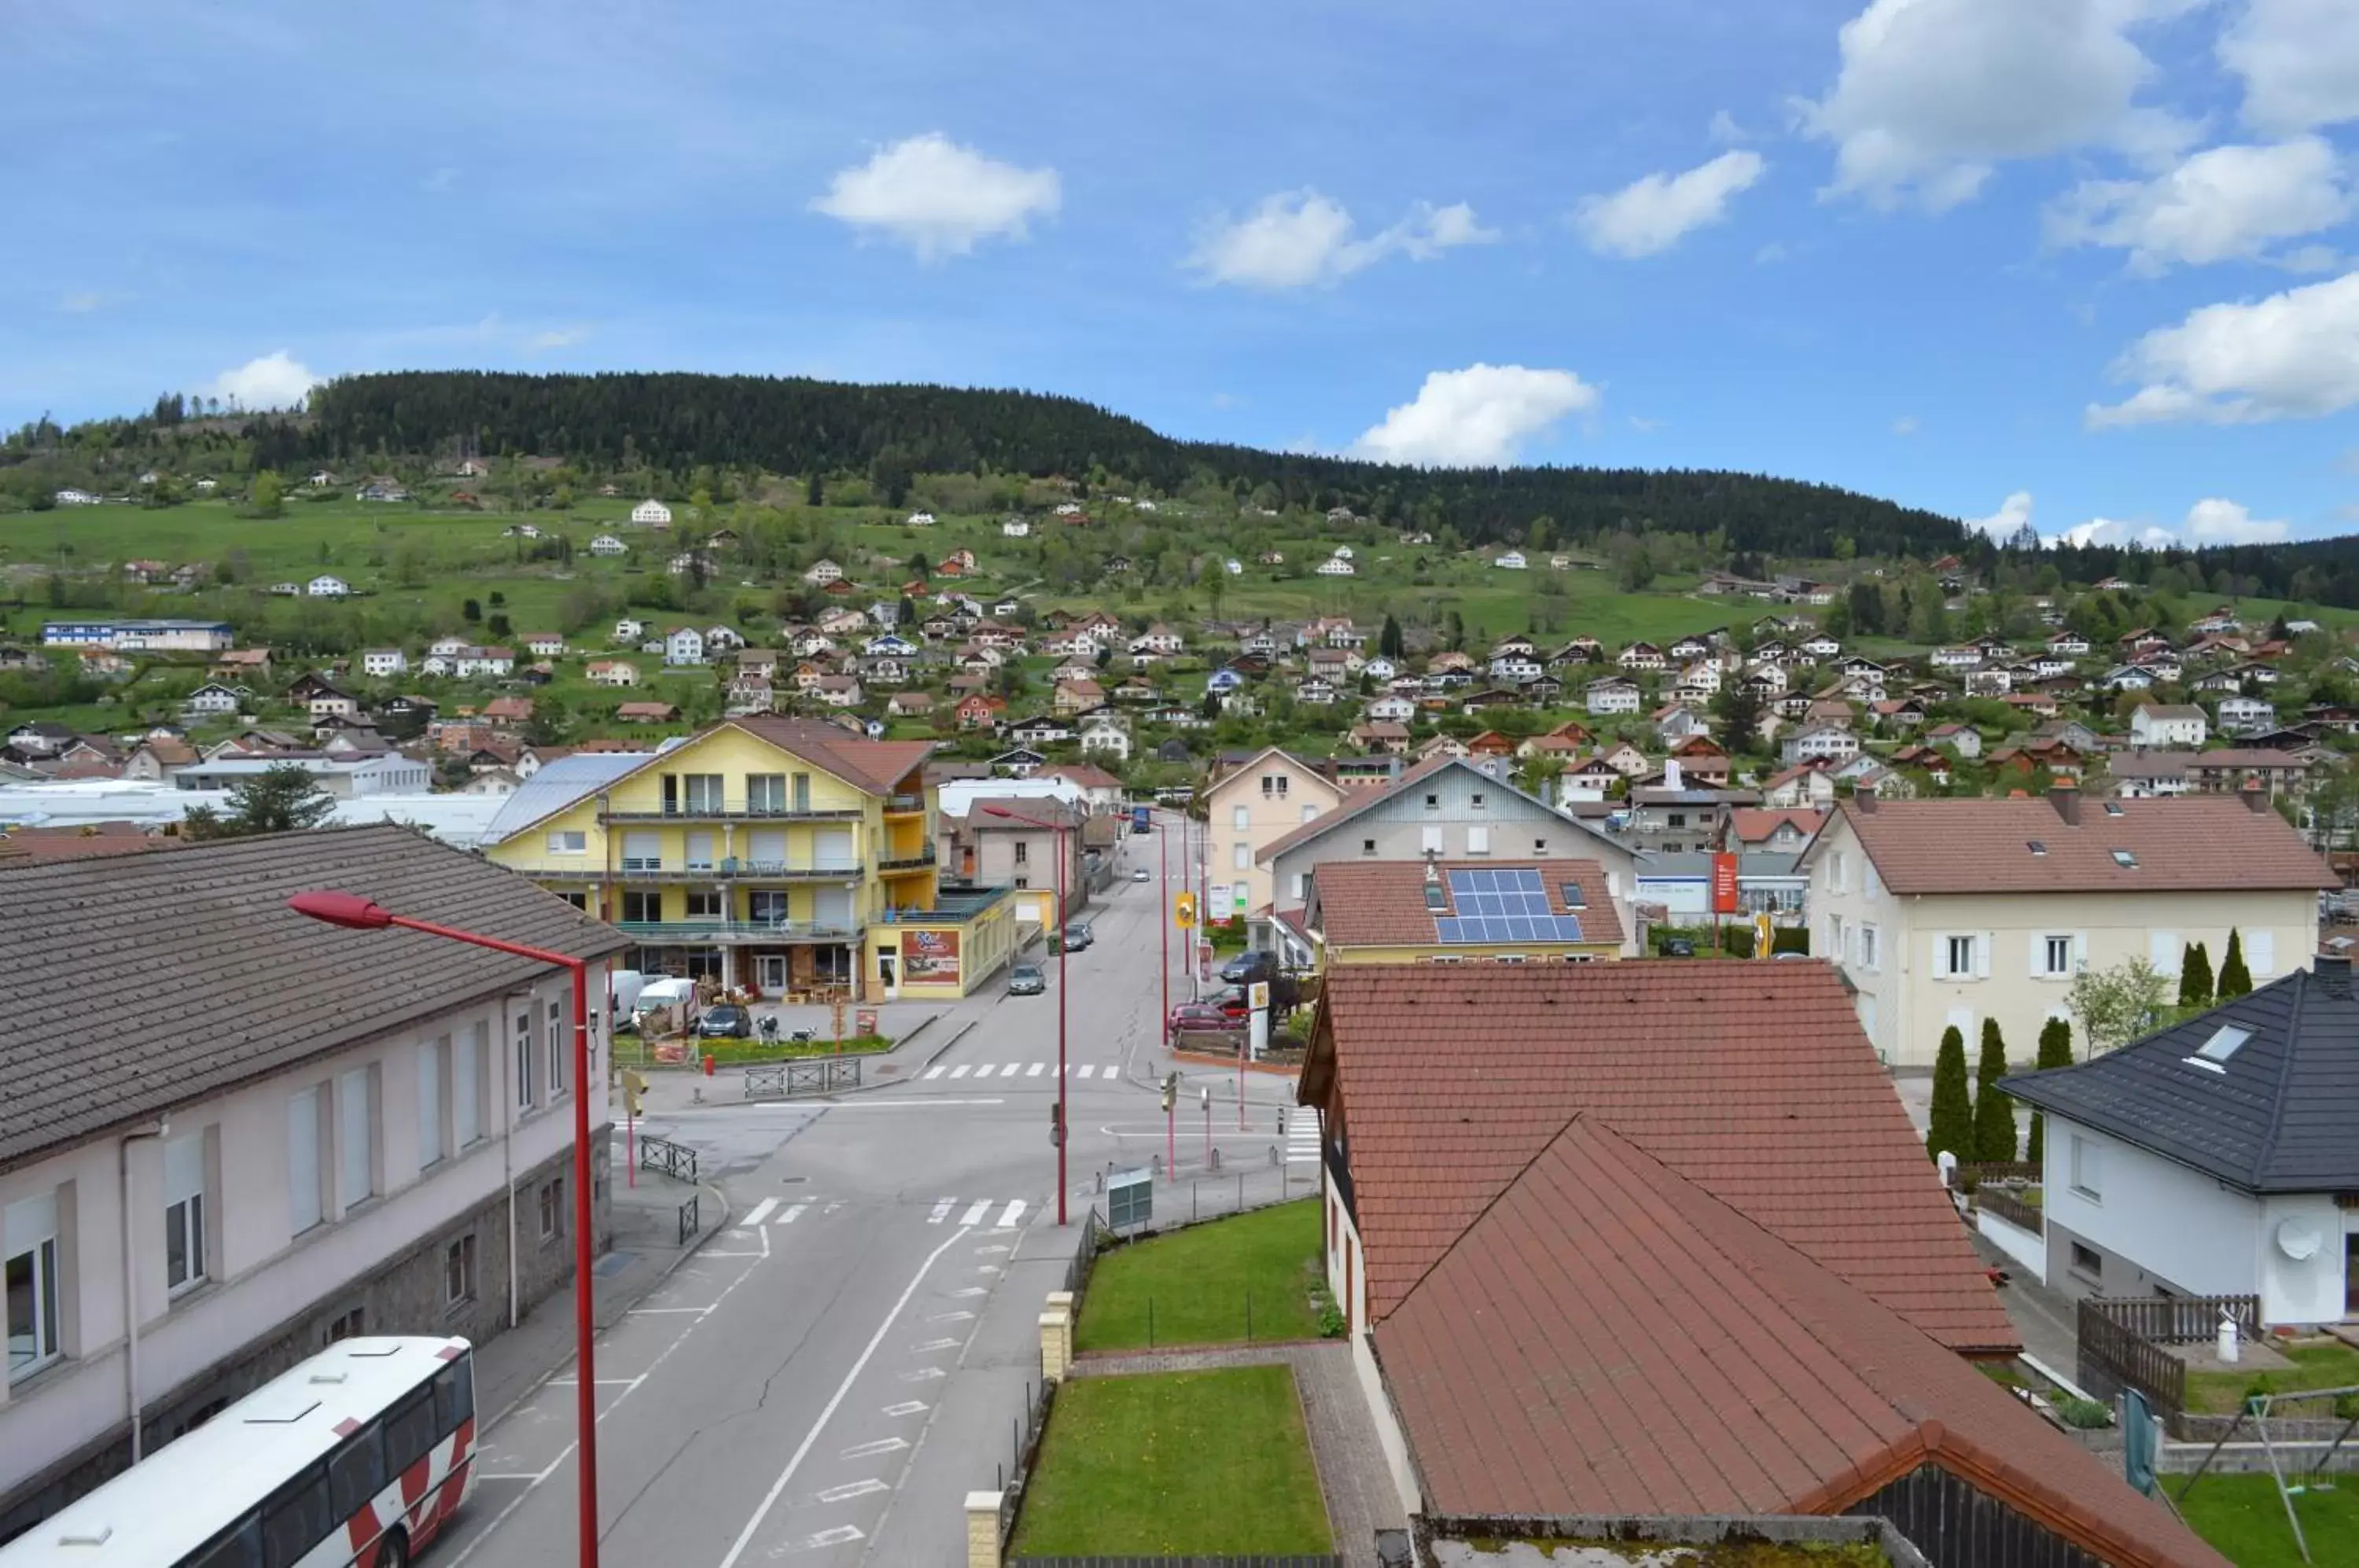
x,y
1074,938
1027,980
1678,947
1196,1017
725,1022
1247,967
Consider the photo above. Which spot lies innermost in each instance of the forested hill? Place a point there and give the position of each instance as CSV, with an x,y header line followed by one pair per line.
x,y
678,423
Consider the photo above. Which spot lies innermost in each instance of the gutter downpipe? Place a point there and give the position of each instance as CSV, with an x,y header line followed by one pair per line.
x,y
131,1281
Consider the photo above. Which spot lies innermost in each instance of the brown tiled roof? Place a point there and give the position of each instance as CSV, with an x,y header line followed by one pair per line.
x,y
1754,824
2193,844
1751,1079
875,765
81,843
1611,1339
1382,903
215,981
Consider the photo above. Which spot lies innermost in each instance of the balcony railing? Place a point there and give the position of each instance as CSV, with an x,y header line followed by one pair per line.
x,y
922,861
726,810
898,805
685,932
647,868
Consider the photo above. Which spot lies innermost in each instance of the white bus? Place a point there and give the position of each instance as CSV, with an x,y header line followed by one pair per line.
x,y
363,1454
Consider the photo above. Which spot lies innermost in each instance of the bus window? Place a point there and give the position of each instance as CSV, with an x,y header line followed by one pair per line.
x,y
409,1431
454,1395
240,1547
296,1520
356,1472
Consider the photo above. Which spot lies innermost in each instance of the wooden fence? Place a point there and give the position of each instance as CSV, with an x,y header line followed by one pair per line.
x,y
2121,1344
1974,1174
2014,1210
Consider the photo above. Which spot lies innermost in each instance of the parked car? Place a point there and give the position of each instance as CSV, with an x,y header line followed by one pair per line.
x,y
1141,875
1027,980
1074,938
1247,967
1233,1005
725,1020
1197,1018
1678,947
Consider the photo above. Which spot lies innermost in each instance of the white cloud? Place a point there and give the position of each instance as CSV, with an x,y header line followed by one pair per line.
x,y
2013,515
1932,94
2108,532
1477,416
2300,60
1724,129
1908,425
2292,355
1293,239
274,381
939,198
2227,204
2211,521
1652,215
557,338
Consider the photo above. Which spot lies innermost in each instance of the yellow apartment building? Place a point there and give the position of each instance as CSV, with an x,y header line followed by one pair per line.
x,y
783,853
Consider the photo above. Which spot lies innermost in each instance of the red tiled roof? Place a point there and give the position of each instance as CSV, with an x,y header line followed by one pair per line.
x,y
1754,824
1751,1079
1382,903
875,765
2192,843
1609,1339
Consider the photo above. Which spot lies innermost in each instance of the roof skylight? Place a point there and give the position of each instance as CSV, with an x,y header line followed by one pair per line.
x,y
2125,859
2224,1043
2037,847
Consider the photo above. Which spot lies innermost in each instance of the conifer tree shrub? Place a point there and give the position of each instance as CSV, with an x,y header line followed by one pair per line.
x,y
2055,1051
2235,980
1952,1123
2195,978
1994,1110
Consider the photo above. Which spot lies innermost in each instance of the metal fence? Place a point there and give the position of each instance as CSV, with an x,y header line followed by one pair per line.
x,y
687,1220
1226,1185
668,1159
805,1075
1301,1561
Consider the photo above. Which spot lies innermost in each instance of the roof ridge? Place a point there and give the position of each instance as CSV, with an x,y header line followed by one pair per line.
x,y
1489,1204
2301,977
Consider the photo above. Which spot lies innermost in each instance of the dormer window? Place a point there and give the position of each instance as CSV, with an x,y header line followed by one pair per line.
x,y
2125,860
2037,847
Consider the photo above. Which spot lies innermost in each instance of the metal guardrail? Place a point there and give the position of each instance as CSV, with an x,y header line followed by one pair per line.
x,y
687,1225
806,1075
668,1159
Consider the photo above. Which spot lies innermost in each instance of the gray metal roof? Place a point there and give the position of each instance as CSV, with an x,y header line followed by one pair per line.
x,y
2280,1115
144,982
556,785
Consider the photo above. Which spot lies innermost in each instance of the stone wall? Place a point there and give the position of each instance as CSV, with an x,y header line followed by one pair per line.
x,y
407,1295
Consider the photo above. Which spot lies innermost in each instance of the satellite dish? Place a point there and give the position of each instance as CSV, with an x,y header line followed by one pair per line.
x,y
2297,1238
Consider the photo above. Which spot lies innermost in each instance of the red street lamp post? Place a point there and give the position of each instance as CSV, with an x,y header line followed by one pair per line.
x,y
1063,1126
1163,905
356,913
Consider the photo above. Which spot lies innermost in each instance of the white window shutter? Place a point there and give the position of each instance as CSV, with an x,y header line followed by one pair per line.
x,y
2261,951
2080,951
1430,841
1983,943
2163,951
1940,970
2035,958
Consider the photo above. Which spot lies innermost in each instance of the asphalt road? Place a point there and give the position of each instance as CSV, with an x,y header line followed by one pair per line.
x,y
825,1380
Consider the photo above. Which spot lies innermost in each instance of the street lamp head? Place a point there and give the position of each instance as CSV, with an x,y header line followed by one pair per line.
x,y
347,909
997,812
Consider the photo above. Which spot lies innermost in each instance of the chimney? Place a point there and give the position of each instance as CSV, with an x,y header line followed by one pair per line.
x,y
2332,974
2256,800
2065,795
1863,803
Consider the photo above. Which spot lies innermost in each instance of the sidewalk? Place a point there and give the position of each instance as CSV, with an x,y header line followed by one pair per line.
x,y
646,1248
921,1031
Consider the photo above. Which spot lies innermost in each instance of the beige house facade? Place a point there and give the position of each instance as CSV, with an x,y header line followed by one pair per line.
x,y
1945,912
1248,807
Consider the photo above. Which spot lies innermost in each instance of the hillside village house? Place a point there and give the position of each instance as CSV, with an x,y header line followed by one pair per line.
x,y
2213,1158
1250,805
652,513
1467,911
1944,913
325,587
380,662
2156,724
782,853
295,1174
611,672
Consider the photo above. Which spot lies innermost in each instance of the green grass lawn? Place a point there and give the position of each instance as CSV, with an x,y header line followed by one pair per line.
x,y
1176,1462
2329,1366
1199,1280
2241,1515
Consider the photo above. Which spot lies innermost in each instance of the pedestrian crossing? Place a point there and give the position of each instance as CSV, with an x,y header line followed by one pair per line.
x,y
769,1211
957,1211
1302,1136
1004,1070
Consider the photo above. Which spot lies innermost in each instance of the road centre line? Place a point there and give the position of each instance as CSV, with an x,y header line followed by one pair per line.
x,y
884,1326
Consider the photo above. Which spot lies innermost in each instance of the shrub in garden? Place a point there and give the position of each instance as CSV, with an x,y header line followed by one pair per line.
x,y
1952,1123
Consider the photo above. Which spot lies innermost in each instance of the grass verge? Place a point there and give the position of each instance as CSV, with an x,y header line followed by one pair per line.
x,y
744,1053
1198,1280
2241,1516
2329,1366
1208,1464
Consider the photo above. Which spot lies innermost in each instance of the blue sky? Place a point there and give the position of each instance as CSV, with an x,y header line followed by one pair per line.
x,y
2095,262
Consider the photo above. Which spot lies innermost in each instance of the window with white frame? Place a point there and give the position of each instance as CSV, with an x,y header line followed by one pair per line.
x,y
522,1044
1302,884
1835,937
1240,818
557,1040
2055,954
305,1208
2088,1168
1429,841
356,1135
28,1233
184,1212
1478,841
1834,871
552,1210
433,1071
1241,857
458,1270
1867,956
2261,951
467,1086
1957,957
1310,813
569,841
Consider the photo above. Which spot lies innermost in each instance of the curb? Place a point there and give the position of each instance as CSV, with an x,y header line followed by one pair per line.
x,y
683,1256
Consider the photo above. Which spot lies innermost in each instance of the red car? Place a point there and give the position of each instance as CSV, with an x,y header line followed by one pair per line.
x,y
1197,1018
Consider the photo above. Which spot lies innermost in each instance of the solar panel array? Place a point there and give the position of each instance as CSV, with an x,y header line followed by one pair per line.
x,y
1503,905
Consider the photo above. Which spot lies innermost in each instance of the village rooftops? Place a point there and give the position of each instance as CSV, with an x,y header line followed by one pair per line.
x,y
1752,1080
1395,903
2064,843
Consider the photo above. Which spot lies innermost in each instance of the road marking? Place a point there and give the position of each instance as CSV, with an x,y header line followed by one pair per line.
x,y
1035,1071
601,1383
919,1376
905,1408
649,1312
524,1475
1013,1212
851,1490
761,1211
989,1251
973,1217
883,1326
971,1290
961,1070
933,1073
933,1344
792,1215
879,1105
942,1212
1011,1070
952,1317
882,1445
842,1535
1088,1068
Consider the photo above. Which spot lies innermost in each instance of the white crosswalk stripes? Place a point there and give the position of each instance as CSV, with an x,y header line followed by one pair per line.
x,y
1302,1136
1011,1213
1018,1069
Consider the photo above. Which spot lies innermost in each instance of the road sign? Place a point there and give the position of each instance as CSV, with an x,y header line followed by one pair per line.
x,y
1257,996
1130,1198
1183,910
